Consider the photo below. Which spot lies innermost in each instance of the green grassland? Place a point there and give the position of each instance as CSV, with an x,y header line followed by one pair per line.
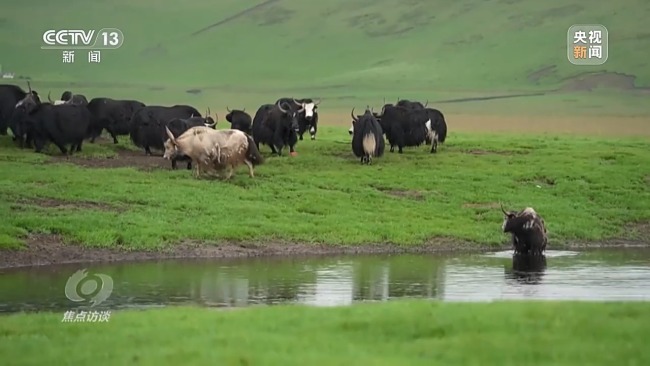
x,y
395,333
585,188
350,53
346,51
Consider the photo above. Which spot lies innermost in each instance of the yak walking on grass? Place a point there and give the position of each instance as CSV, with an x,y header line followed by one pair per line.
x,y
209,149
367,137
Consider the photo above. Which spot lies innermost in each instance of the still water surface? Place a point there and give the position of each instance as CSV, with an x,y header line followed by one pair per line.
x,y
561,275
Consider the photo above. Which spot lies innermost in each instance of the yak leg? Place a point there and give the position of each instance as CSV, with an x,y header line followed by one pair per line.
x,y
434,145
147,150
229,172
113,135
251,173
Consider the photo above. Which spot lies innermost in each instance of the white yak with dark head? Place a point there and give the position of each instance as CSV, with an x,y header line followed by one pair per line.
x,y
528,231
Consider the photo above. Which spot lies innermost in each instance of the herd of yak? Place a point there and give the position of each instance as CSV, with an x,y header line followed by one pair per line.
x,y
184,134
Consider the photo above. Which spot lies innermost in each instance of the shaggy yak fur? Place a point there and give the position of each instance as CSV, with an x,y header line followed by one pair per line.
x,y
218,150
528,231
367,137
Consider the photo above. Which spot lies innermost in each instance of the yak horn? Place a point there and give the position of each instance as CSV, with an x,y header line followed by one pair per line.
x,y
317,103
354,118
427,103
228,109
171,135
295,101
208,111
503,210
281,109
243,110
29,86
48,97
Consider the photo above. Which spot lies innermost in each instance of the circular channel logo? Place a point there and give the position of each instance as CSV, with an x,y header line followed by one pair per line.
x,y
94,288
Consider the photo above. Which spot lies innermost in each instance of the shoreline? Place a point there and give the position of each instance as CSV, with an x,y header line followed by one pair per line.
x,y
45,250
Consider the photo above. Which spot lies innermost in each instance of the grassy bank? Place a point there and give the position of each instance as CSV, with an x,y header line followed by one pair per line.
x,y
405,333
584,188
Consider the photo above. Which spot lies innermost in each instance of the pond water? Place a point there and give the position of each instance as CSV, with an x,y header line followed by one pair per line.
x,y
622,274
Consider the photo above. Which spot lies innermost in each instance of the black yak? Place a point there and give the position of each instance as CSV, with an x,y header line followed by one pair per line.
x,y
240,120
528,231
277,126
367,137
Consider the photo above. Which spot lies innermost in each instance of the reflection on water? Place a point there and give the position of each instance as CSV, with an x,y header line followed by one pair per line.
x,y
593,275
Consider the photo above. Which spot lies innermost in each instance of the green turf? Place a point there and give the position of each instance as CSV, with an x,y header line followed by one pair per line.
x,y
344,50
396,333
584,188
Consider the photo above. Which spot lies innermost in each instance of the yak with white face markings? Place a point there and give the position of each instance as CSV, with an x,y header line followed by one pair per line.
x,y
528,231
308,118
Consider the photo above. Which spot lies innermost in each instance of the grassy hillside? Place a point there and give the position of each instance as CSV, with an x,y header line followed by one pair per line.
x,y
339,48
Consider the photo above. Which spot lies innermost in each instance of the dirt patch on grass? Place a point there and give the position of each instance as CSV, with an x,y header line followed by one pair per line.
x,y
482,205
402,193
537,75
592,80
47,249
61,204
123,159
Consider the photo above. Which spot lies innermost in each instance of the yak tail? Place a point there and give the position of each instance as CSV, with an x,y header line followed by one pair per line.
x,y
369,144
253,153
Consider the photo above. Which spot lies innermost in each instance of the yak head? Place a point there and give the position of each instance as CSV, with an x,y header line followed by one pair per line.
x,y
291,113
171,146
54,102
66,96
232,114
516,222
208,121
367,114
30,101
309,107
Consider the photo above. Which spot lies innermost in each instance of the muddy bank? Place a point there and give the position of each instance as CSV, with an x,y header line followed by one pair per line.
x,y
41,249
